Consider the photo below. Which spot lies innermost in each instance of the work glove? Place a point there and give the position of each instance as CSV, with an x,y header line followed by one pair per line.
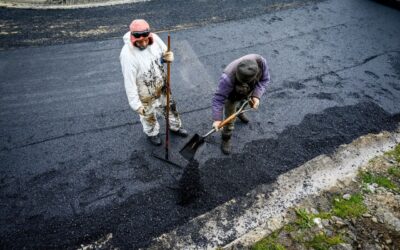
x,y
140,110
216,124
168,56
254,102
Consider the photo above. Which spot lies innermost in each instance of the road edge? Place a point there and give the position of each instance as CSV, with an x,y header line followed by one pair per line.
x,y
42,6
263,211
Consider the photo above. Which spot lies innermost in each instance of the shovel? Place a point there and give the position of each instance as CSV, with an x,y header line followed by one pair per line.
x,y
190,148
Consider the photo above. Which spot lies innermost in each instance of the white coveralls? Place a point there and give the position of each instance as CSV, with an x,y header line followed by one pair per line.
x,y
144,78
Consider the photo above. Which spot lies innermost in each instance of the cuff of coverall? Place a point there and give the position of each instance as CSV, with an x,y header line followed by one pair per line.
x,y
135,106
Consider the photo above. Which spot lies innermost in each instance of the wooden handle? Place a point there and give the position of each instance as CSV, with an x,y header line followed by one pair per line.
x,y
168,100
233,116
227,120
169,42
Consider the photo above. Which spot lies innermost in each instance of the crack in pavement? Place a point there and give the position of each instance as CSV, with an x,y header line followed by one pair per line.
x,y
319,77
301,34
70,135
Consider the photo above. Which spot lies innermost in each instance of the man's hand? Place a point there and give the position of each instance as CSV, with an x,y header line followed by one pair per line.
x,y
216,124
254,102
140,110
168,56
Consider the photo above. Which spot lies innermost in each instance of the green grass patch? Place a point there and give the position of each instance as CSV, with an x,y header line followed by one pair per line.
x,y
304,219
354,207
395,153
324,215
323,242
395,171
289,228
268,243
382,181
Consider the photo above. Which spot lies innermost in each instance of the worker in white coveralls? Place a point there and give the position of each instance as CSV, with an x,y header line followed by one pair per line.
x,y
142,61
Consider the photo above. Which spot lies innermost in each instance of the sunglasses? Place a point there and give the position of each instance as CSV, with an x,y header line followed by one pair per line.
x,y
140,34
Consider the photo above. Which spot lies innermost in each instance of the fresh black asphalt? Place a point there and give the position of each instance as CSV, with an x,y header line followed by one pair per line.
x,y
27,27
75,165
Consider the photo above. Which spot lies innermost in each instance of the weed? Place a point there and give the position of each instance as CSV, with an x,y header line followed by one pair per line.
x,y
304,219
382,181
395,153
323,242
395,171
268,243
354,207
365,188
324,215
289,228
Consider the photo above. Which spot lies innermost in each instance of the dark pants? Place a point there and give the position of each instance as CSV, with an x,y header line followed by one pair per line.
x,y
230,108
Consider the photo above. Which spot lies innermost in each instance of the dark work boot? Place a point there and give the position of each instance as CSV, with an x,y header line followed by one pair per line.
x,y
243,118
181,132
226,144
155,140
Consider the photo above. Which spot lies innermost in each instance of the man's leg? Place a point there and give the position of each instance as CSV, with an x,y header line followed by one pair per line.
x,y
226,134
151,127
175,122
242,117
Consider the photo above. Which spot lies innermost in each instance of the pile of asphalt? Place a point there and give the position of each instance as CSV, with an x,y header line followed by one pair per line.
x,y
190,186
221,179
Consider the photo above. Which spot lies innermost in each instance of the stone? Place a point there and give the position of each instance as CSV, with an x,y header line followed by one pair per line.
x,y
388,218
341,246
370,246
325,222
352,236
367,215
314,211
329,233
374,219
370,188
338,221
318,222
388,241
346,196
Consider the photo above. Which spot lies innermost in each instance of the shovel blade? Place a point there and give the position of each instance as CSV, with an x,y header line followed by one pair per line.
x,y
190,148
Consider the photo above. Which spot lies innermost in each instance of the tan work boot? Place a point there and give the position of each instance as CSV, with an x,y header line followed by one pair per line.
x,y
243,118
226,145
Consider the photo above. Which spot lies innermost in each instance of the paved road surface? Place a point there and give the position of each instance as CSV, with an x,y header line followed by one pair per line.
x,y
75,165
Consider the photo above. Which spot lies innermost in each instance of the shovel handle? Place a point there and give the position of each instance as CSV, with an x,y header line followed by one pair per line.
x,y
233,116
227,120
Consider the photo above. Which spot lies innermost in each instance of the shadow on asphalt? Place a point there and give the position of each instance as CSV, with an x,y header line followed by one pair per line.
x,y
157,211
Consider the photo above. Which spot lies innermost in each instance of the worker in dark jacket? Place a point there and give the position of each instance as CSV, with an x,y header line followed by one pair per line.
x,y
246,77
